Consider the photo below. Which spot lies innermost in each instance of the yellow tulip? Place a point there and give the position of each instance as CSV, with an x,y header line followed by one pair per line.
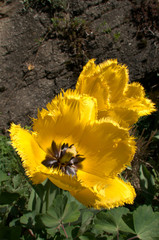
x,y
77,151
108,82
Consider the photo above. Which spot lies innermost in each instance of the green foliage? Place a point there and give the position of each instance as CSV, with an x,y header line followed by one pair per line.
x,y
14,190
117,36
111,221
147,183
61,212
104,27
146,223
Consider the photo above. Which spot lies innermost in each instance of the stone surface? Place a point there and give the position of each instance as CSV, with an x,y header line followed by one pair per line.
x,y
56,50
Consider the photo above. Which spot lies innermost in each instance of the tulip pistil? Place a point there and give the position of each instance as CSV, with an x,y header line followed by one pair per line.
x,y
64,157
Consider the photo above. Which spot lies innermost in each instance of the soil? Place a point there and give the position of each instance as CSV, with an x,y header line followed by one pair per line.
x,y
43,50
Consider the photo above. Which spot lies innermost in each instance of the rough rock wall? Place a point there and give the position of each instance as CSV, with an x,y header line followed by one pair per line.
x,y
39,56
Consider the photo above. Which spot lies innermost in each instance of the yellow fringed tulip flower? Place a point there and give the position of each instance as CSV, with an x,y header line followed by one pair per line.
x,y
77,152
108,82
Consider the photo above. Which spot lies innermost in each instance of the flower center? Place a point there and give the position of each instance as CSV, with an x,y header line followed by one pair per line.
x,y
64,157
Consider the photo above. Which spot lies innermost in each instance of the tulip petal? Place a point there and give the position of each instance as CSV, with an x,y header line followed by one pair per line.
x,y
134,98
106,81
105,192
125,117
32,156
107,148
116,77
64,122
91,82
30,152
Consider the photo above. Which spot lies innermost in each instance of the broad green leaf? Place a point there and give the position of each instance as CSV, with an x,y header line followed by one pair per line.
x,y
71,213
64,210
51,231
61,211
104,222
58,206
111,221
49,220
87,217
146,223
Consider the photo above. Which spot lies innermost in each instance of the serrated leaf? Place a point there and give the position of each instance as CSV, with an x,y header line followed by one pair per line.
x,y
61,211
49,221
111,221
51,231
87,217
58,206
71,213
146,223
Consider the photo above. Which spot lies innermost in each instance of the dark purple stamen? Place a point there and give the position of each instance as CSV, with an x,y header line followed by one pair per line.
x,y
55,154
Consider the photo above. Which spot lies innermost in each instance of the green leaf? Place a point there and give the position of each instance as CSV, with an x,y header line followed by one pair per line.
x,y
50,221
87,217
68,230
50,194
87,236
146,223
16,181
8,197
147,183
58,206
28,218
35,202
71,213
72,199
111,221
31,199
3,176
61,211
51,231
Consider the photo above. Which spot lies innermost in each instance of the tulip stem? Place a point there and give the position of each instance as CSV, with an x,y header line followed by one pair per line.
x,y
64,230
